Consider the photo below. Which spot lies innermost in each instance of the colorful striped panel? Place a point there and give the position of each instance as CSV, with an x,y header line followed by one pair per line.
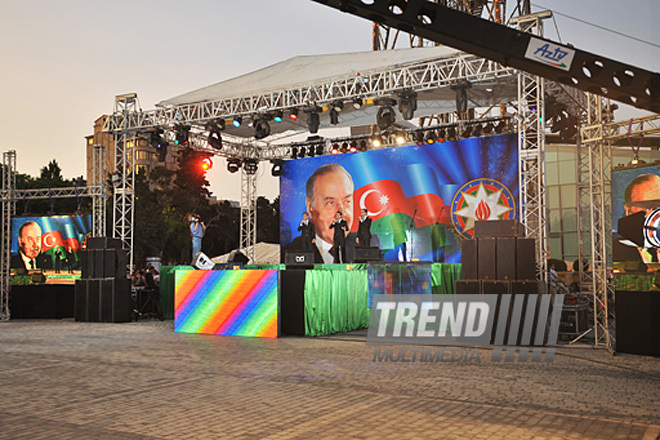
x,y
226,302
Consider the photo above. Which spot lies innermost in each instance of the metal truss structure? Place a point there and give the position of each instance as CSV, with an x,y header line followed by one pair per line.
x,y
531,155
10,195
8,209
248,233
98,201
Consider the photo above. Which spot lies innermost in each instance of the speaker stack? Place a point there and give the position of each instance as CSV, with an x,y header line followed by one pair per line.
x,y
498,260
103,292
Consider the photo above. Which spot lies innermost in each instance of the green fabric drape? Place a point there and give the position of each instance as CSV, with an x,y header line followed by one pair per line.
x,y
335,301
443,276
167,288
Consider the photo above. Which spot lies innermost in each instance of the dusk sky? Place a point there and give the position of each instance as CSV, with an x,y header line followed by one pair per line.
x,y
64,61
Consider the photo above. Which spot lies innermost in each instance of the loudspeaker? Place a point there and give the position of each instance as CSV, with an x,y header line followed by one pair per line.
x,y
494,287
525,287
498,228
299,258
237,256
469,264
93,307
467,287
116,302
506,258
525,259
109,263
98,263
487,267
80,301
203,262
364,254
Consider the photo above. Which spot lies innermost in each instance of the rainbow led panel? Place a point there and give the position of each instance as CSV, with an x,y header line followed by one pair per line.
x,y
227,302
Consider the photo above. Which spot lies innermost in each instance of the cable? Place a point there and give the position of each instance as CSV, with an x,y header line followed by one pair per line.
x,y
600,27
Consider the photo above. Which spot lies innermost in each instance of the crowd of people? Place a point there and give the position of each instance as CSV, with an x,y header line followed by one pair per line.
x,y
148,278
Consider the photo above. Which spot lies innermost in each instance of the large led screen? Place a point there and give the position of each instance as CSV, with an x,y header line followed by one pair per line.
x,y
227,302
636,218
47,249
422,199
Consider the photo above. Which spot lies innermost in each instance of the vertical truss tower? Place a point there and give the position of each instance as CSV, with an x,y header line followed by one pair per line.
x,y
248,234
98,202
8,209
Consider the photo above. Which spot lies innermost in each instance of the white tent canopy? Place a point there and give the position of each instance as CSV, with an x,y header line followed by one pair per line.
x,y
265,253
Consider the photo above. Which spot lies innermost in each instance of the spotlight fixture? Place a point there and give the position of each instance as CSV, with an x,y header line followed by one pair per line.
x,y
357,103
430,137
334,149
156,138
233,165
294,153
385,117
467,132
293,114
338,105
301,152
399,138
276,170
419,137
207,164
311,151
261,128
278,116
334,116
500,127
407,104
353,147
477,130
488,129
344,147
363,145
215,139
451,134
250,166
313,121
441,135
237,121
319,149
181,134
376,141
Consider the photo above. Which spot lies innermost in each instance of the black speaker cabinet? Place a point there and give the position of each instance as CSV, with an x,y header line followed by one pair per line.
x,y
103,300
469,252
494,287
498,228
487,267
299,258
364,254
525,287
80,300
93,303
506,258
525,259
467,287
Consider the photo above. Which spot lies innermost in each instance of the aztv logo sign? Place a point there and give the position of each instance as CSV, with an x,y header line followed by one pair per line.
x,y
502,320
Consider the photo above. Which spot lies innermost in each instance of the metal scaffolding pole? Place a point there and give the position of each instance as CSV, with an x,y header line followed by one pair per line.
x,y
98,202
123,179
248,237
8,209
531,154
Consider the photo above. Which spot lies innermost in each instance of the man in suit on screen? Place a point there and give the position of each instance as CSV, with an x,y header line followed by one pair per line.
x,y
29,256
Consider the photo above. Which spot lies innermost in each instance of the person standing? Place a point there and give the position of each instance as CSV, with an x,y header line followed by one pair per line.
x,y
340,229
364,230
307,233
197,230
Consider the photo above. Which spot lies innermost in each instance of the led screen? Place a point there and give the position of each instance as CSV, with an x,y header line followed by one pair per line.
x,y
422,199
227,302
47,249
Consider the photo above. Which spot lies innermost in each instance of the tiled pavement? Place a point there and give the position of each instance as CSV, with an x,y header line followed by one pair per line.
x,y
63,379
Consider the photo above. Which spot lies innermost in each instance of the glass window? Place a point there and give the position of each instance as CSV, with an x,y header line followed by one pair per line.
x,y
567,153
553,197
567,172
568,196
555,246
551,153
551,177
570,242
555,220
569,220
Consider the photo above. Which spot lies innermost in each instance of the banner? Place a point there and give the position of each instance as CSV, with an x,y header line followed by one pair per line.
x,y
422,199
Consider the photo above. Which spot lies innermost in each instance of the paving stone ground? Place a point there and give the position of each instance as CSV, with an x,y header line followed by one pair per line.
x,y
64,379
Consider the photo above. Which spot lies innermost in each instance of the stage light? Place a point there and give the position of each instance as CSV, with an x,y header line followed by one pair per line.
x,y
419,137
334,149
293,114
301,152
363,145
488,129
261,128
399,138
338,105
294,153
181,134
250,166
441,135
311,151
344,147
467,132
278,116
276,170
353,147
319,149
500,127
385,117
357,103
237,121
430,137
233,165
376,141
407,104
156,138
451,134
476,132
215,139
313,121
334,116
207,164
